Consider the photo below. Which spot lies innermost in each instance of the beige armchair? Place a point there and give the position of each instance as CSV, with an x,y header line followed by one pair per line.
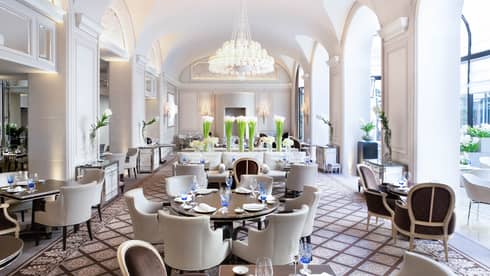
x,y
72,207
278,241
131,161
478,191
300,176
144,216
266,180
138,258
245,166
416,264
7,223
310,198
190,244
97,175
192,169
177,185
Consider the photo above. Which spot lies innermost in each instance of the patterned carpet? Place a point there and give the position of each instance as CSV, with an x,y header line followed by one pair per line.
x,y
340,239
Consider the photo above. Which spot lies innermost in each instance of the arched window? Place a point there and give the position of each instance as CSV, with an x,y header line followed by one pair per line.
x,y
300,100
475,63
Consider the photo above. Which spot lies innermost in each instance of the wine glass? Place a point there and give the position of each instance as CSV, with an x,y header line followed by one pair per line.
x,y
263,267
229,181
183,198
10,181
305,257
253,186
31,185
262,193
194,187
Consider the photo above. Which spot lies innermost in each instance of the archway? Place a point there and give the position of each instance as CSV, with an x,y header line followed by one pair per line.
x,y
320,96
357,81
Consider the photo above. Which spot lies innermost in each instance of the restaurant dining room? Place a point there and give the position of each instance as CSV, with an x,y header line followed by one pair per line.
x,y
245,137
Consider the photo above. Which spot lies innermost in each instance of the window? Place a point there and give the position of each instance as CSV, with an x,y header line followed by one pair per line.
x,y
300,100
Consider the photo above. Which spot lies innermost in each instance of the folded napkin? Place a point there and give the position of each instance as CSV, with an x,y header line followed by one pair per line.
x,y
253,206
205,207
242,190
24,182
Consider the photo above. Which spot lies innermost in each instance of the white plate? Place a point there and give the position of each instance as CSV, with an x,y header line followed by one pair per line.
x,y
240,270
239,210
253,207
21,183
243,191
205,191
16,190
186,207
178,199
198,209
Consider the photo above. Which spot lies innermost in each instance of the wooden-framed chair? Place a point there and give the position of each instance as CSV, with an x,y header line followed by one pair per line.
x,y
244,166
7,223
138,258
428,214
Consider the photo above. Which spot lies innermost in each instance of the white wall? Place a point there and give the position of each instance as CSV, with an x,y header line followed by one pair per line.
x,y
119,100
356,101
437,86
320,91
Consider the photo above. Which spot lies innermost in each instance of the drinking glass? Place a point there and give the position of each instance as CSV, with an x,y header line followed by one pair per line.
x,y
183,197
10,181
31,185
262,193
229,181
194,187
263,267
225,197
305,257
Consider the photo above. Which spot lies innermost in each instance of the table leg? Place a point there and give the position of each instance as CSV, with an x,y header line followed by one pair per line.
x,y
227,228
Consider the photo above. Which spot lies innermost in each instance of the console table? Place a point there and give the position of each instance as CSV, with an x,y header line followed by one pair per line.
x,y
149,158
111,177
326,157
164,150
385,172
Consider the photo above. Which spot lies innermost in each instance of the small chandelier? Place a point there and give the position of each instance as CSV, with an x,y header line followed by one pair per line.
x,y
241,56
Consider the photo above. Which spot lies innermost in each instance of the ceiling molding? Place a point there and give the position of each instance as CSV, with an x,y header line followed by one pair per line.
x,y
88,25
234,86
394,28
110,51
141,60
43,7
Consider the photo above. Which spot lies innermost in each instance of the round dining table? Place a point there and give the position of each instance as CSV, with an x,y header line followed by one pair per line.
x,y
229,214
11,249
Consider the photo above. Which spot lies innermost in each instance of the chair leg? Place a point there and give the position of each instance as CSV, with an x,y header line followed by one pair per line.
x,y
100,212
445,248
259,225
129,173
469,212
22,216
64,238
376,220
367,223
89,229
411,243
393,232
75,228
135,174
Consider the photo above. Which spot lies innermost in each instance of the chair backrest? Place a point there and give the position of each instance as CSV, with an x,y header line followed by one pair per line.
x,y
281,237
139,258
190,244
7,223
229,158
192,169
267,181
76,202
132,157
91,175
301,175
245,166
476,187
430,204
176,185
213,159
368,178
311,198
416,264
120,158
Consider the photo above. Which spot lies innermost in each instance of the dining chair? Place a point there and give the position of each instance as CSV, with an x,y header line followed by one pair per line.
x,y
177,185
244,166
72,207
7,223
265,180
376,201
144,216
192,169
299,176
131,161
190,243
477,189
139,258
278,241
427,214
417,264
97,175
121,159
310,197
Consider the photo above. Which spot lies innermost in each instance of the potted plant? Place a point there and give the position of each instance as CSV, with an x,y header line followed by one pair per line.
x,y
153,120
13,132
101,122
279,121
367,128
330,128
386,136
242,126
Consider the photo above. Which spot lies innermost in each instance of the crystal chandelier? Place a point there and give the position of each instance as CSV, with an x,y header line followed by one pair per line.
x,y
241,56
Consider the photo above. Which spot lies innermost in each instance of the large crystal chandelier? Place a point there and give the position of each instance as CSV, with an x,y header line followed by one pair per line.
x,y
241,56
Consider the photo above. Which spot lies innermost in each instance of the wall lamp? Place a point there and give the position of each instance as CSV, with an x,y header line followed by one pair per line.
x,y
263,111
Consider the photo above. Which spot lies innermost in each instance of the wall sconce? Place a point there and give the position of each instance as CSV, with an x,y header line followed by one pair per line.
x,y
263,111
305,110
170,109
205,109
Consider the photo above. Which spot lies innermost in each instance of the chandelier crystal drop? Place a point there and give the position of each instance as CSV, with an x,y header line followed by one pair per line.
x,y
241,56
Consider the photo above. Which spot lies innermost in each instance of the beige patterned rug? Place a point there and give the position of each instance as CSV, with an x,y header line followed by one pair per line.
x,y
340,239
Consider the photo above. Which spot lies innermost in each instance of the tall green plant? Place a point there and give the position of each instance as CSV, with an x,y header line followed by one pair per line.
x,y
229,121
242,126
252,123
279,121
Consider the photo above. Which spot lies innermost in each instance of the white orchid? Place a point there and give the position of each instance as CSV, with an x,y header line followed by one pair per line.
x,y
287,142
208,119
278,118
211,140
267,140
241,119
229,119
107,112
197,145
252,119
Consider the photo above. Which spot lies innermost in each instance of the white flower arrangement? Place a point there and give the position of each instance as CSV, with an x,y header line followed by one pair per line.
x,y
267,140
278,118
211,140
197,145
287,142
252,119
241,119
229,119
208,119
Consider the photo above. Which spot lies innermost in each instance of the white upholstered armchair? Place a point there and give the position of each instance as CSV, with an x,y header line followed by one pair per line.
x,y
278,241
144,216
177,185
310,198
190,244
97,175
478,190
416,264
72,207
300,176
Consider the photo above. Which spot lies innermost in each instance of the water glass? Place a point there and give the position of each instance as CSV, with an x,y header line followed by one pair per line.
x,y
263,267
31,185
229,181
305,256
225,197
262,193
183,197
10,181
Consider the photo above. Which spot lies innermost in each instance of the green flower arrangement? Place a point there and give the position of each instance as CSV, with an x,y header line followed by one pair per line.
x,y
207,122
242,127
101,122
252,124
229,121
279,121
